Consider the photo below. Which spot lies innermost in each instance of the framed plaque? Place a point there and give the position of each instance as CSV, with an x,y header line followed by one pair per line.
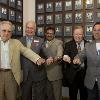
x,y
98,4
78,17
68,17
68,5
97,16
58,30
40,8
49,7
18,17
19,5
3,1
78,4
49,19
40,19
11,15
89,4
67,30
12,3
40,31
18,30
89,16
58,18
58,6
88,30
3,12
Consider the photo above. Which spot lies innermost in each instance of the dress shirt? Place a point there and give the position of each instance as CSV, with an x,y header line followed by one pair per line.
x,y
5,64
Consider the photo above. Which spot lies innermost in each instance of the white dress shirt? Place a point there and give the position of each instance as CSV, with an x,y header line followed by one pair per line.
x,y
5,64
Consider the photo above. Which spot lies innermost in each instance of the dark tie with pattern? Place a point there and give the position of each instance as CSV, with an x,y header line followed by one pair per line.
x,y
79,47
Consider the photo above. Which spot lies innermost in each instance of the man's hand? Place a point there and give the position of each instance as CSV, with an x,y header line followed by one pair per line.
x,y
58,58
77,61
49,61
66,58
40,61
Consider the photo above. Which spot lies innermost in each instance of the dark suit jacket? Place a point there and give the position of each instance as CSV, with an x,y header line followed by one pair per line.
x,y
30,70
70,70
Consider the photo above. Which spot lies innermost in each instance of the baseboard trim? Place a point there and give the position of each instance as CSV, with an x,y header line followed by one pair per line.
x,y
65,98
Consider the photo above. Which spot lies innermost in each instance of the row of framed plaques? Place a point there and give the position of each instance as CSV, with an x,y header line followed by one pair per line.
x,y
65,31
68,17
13,3
67,5
12,10
10,14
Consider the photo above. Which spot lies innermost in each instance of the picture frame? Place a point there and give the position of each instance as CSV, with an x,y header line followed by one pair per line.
x,y
89,16
68,5
3,12
58,18
49,7
78,17
58,30
89,4
12,3
40,8
58,6
78,4
3,1
98,16
18,17
40,31
67,30
11,15
88,29
19,5
19,30
49,19
40,19
68,17
98,4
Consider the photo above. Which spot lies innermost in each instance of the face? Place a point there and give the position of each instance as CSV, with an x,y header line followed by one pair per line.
x,y
96,32
30,29
5,32
78,35
49,35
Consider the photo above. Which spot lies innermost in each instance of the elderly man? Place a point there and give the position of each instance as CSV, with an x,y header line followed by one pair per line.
x,y
10,70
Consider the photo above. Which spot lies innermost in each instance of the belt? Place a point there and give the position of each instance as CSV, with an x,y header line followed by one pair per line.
x,y
5,70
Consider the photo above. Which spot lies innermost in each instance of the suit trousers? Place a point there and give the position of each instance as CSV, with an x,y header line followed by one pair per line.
x,y
57,89
94,94
8,86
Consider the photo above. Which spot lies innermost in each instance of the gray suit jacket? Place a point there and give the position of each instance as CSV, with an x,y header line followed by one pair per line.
x,y
55,48
30,70
93,64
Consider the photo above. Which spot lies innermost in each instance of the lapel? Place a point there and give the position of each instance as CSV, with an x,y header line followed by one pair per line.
x,y
11,49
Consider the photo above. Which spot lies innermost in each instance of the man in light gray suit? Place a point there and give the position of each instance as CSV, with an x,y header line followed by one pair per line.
x,y
92,54
53,51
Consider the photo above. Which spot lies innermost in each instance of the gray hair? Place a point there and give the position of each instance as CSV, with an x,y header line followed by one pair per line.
x,y
9,23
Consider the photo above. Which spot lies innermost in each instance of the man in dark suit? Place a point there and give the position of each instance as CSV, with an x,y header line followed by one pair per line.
x,y
73,73
34,77
92,54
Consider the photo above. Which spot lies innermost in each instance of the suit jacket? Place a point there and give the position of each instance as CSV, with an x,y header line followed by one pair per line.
x,y
93,65
15,49
55,48
70,70
30,70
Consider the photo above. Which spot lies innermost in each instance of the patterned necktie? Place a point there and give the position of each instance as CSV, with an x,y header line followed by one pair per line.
x,y
79,47
29,41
